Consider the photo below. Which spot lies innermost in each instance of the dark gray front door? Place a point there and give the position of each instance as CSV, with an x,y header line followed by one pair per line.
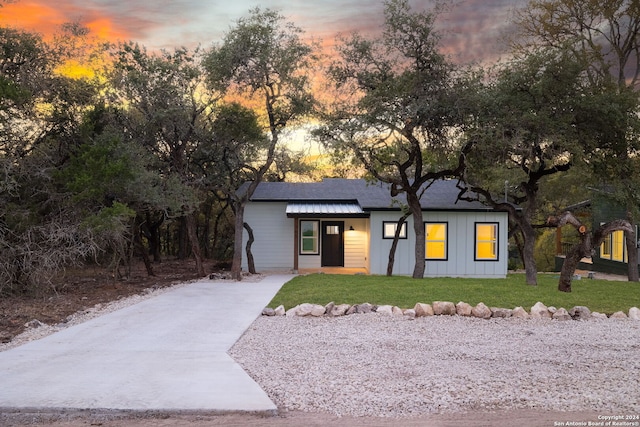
x,y
333,244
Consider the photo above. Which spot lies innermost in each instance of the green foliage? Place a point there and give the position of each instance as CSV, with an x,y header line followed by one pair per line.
x,y
599,295
265,55
546,250
100,170
112,220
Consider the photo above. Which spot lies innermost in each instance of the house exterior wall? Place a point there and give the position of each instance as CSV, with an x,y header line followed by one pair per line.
x,y
365,246
273,233
460,260
404,258
356,244
273,248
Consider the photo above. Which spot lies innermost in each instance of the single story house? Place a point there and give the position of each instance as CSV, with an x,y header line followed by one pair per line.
x,y
350,223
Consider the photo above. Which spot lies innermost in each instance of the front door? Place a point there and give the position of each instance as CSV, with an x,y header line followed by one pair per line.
x,y
333,244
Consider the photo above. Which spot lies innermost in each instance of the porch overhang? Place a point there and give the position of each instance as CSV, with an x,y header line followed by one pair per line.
x,y
325,210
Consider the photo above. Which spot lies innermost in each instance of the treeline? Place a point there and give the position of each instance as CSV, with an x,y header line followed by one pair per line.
x,y
110,153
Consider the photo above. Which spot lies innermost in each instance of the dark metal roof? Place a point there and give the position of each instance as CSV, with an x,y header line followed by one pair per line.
x,y
441,195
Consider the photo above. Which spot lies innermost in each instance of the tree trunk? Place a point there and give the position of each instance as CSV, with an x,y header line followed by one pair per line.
x,y
418,226
528,253
394,245
137,241
182,236
587,243
250,263
236,266
153,236
195,244
572,260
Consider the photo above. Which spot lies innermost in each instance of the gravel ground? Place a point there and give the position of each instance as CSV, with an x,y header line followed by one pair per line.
x,y
368,365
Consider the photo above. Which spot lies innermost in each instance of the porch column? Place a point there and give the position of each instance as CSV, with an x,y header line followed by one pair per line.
x,y
296,240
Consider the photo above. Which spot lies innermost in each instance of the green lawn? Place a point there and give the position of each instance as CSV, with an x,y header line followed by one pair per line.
x,y
599,295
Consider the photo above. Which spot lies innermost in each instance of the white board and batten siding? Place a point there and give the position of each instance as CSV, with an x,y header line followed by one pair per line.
x,y
460,260
274,239
356,244
404,256
273,234
366,247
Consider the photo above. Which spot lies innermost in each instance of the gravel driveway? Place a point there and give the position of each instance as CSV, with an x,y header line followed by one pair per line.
x,y
383,366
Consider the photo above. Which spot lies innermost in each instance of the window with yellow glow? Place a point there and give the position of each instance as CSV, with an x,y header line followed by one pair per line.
x,y
436,240
617,246
487,241
605,247
613,247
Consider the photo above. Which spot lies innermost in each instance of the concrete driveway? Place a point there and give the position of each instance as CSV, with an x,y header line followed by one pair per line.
x,y
166,353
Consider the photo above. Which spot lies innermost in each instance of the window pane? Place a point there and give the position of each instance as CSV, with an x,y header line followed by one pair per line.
x,y
436,250
487,250
436,231
308,245
309,237
333,229
605,248
486,241
436,241
618,245
389,230
308,228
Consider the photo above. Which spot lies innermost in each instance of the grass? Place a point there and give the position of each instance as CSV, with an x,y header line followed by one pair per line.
x,y
599,295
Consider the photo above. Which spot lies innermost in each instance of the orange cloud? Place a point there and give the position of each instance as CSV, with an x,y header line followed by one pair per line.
x,y
104,28
38,16
32,16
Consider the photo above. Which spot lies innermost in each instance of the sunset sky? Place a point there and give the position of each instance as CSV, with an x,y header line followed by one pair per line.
x,y
474,26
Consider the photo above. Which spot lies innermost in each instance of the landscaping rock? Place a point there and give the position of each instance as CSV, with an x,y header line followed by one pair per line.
x,y
410,313
339,310
397,311
500,312
634,313
618,315
292,311
329,307
445,308
580,312
279,310
360,308
385,309
540,311
596,315
519,313
561,314
306,309
481,311
463,309
422,310
268,311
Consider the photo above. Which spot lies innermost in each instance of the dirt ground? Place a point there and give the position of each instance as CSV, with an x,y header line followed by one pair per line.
x,y
80,290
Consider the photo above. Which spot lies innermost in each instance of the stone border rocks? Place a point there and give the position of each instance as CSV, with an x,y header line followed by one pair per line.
x,y
446,308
